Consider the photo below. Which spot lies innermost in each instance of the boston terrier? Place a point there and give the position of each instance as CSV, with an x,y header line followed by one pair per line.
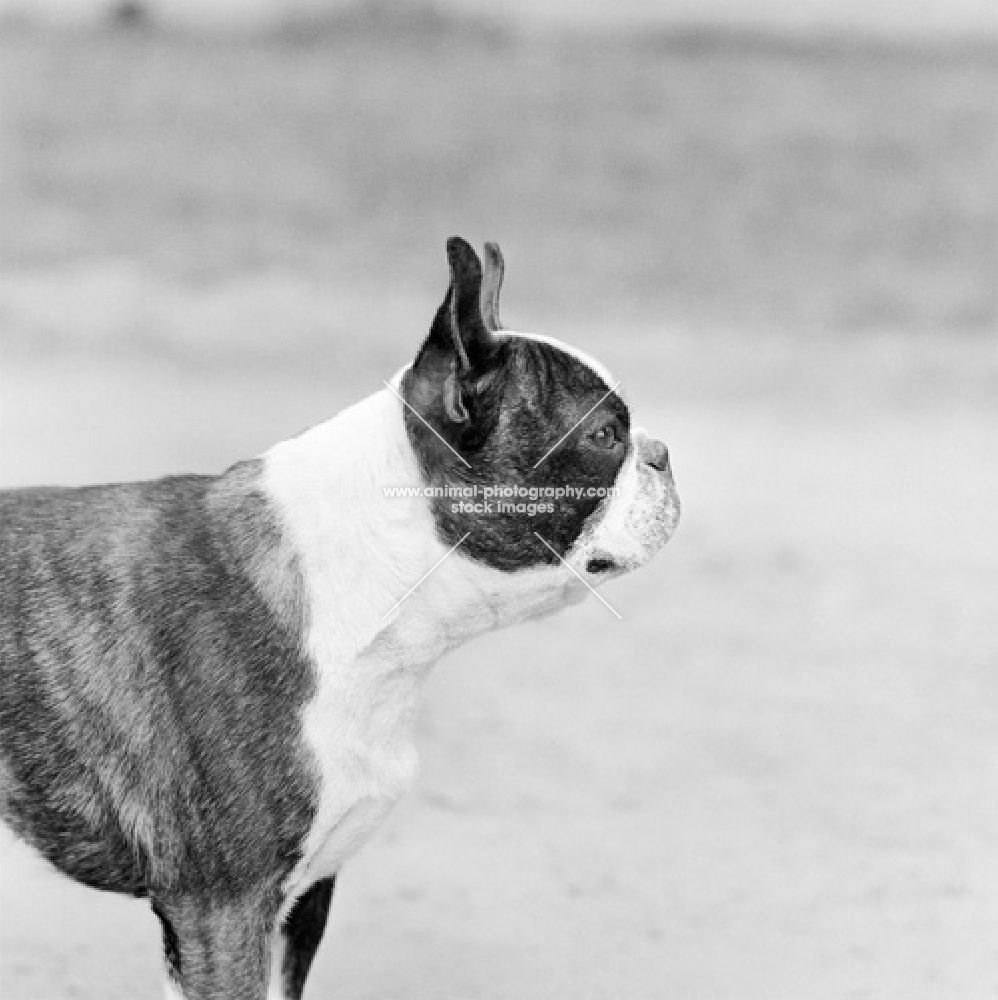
x,y
209,683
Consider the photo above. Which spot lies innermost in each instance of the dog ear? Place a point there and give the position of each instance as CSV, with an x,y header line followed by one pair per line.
x,y
456,364
456,385
458,324
492,285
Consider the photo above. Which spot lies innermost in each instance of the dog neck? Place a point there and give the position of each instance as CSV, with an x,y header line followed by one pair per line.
x,y
379,585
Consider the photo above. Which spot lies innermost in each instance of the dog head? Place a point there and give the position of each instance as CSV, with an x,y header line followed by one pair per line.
x,y
526,444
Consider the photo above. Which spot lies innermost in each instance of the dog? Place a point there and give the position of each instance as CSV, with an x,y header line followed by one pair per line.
x,y
209,683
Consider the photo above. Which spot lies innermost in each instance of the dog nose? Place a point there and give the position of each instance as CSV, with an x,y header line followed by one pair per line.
x,y
656,455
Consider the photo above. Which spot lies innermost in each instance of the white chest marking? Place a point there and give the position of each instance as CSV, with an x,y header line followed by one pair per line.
x,y
354,545
360,729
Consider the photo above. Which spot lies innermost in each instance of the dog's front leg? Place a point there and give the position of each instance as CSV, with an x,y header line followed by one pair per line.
x,y
216,950
296,941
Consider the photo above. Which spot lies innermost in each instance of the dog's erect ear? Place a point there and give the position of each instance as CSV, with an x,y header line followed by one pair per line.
x,y
456,382
458,325
455,364
491,286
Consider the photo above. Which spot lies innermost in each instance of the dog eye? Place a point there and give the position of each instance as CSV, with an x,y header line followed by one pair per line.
x,y
607,436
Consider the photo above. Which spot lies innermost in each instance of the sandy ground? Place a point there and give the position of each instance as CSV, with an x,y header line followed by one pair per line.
x,y
777,777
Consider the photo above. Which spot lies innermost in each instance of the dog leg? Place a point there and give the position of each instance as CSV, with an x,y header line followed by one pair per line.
x,y
216,950
297,939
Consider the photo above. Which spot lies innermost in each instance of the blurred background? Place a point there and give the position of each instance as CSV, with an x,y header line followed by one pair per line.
x,y
777,777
